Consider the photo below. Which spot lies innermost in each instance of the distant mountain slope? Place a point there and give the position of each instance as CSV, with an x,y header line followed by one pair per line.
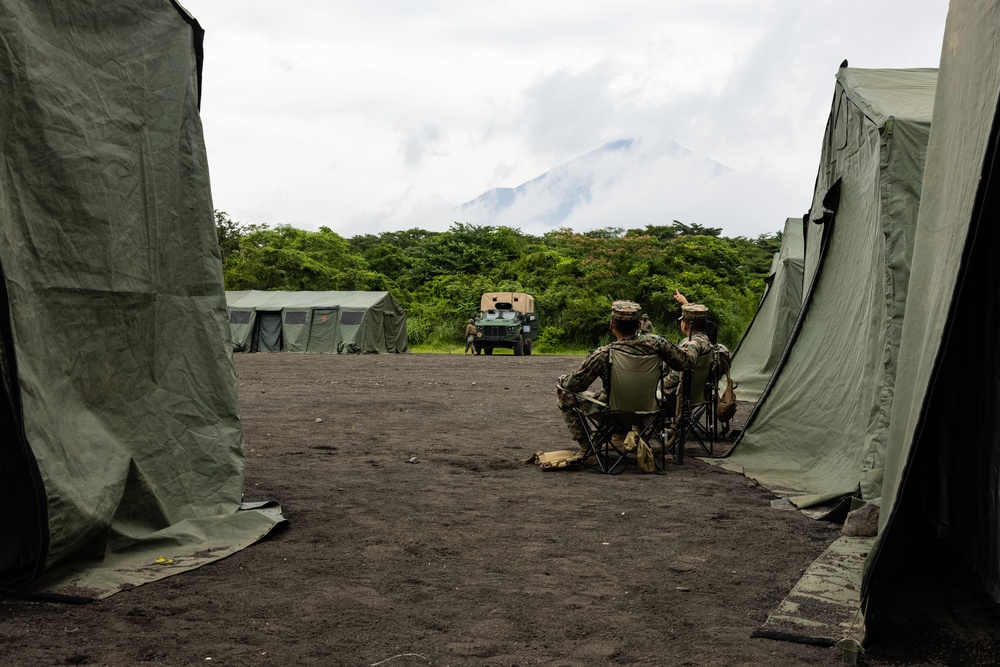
x,y
619,168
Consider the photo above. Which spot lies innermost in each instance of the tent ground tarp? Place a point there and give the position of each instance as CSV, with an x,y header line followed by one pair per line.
x,y
823,607
818,432
335,322
118,407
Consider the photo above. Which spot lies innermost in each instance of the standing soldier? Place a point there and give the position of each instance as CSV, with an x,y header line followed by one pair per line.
x,y
470,337
645,326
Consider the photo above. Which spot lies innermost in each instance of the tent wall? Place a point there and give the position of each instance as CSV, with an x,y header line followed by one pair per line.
x,y
295,326
942,470
760,349
242,322
120,408
818,432
394,326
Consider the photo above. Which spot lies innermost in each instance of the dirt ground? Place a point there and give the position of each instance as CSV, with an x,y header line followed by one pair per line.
x,y
417,536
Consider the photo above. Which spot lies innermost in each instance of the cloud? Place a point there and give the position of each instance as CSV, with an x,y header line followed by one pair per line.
x,y
371,115
633,184
419,142
567,111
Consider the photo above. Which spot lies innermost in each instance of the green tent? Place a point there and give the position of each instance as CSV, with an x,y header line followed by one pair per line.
x,y
818,432
121,440
942,463
317,322
759,351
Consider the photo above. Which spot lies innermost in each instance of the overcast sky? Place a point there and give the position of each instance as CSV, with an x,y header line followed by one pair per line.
x,y
385,114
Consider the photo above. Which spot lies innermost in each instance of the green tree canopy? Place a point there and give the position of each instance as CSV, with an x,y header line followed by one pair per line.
x,y
439,276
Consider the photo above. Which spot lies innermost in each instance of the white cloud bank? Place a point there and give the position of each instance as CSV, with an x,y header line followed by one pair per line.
x,y
369,117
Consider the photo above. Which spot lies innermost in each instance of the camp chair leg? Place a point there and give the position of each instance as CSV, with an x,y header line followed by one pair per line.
x,y
602,455
680,442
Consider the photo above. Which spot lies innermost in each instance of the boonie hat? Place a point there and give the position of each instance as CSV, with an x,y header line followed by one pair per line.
x,y
625,310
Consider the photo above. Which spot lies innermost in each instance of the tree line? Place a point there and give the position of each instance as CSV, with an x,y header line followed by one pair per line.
x,y
438,277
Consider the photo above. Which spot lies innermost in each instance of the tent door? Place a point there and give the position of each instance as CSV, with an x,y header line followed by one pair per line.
x,y
267,337
323,331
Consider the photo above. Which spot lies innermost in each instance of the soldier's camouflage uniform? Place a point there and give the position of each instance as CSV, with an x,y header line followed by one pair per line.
x,y
596,366
697,345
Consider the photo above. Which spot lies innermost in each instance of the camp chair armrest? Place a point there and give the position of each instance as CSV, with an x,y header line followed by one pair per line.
x,y
589,399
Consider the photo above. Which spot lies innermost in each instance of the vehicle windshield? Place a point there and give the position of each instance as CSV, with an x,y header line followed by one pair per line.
x,y
509,315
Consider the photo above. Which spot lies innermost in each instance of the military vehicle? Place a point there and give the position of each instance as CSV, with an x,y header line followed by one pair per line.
x,y
506,319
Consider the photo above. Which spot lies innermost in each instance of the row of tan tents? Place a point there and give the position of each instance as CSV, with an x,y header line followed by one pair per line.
x,y
872,358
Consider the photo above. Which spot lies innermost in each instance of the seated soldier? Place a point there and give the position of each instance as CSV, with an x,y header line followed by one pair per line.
x,y
724,360
694,318
624,327
725,356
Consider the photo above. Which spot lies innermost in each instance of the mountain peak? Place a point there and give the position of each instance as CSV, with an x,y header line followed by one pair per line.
x,y
549,199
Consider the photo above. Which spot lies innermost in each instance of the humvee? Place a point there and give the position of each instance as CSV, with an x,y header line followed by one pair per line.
x,y
506,319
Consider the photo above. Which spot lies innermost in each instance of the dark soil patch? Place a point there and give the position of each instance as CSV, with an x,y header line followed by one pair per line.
x,y
416,536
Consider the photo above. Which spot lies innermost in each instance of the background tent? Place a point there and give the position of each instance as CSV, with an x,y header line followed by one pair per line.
x,y
758,352
942,471
317,322
118,411
818,431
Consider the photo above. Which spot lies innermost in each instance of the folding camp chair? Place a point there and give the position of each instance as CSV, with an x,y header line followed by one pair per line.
x,y
632,407
695,415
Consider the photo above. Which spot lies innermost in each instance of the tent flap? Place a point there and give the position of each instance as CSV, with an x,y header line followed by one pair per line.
x,y
120,410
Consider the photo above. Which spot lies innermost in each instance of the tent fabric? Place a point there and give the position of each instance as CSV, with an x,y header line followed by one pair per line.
x,y
818,432
317,322
118,403
942,473
759,351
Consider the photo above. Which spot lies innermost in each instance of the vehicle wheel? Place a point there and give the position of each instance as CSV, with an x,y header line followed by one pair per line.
x,y
487,351
527,346
478,347
518,347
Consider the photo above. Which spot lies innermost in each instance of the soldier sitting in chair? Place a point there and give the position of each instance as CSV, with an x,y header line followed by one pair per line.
x,y
625,328
694,318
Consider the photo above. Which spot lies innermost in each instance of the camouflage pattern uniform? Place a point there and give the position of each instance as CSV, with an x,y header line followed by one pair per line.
x,y
597,366
697,344
470,337
645,326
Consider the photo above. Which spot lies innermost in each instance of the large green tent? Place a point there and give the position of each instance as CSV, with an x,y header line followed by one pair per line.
x,y
121,440
759,351
942,463
317,322
817,434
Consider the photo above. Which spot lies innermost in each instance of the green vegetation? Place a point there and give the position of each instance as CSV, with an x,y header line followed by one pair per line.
x,y
438,277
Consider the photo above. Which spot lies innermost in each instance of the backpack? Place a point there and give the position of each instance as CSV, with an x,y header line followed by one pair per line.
x,y
726,408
